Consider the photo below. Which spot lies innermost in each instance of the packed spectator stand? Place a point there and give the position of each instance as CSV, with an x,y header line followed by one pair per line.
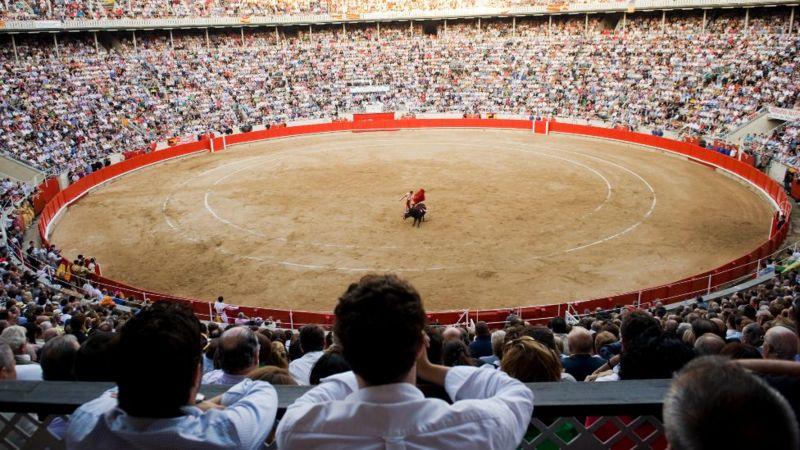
x,y
136,9
66,106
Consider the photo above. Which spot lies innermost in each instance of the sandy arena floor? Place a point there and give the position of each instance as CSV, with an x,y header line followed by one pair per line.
x,y
514,219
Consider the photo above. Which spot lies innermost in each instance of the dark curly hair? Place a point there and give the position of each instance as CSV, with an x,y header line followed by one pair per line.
x,y
379,323
158,354
653,354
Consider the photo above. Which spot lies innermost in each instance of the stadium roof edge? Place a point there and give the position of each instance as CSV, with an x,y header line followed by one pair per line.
x,y
327,19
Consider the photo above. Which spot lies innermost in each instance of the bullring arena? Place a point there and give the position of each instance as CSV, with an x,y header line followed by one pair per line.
x,y
515,218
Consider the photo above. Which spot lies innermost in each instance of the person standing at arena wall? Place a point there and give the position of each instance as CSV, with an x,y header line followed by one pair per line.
x,y
380,325
221,308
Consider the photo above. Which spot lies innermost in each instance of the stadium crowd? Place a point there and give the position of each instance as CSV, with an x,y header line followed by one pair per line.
x,y
147,9
66,111
382,337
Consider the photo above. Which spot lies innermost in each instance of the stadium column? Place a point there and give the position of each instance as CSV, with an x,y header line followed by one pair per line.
x,y
14,46
379,31
55,42
310,33
514,27
550,25
445,28
96,44
624,20
171,42
746,19
410,27
585,24
479,24
704,22
277,36
663,20
242,33
344,32
135,49
208,41
791,20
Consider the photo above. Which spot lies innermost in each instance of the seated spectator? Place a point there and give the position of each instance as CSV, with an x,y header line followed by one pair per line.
x,y
581,362
652,355
753,334
278,356
482,345
377,404
312,342
436,344
237,354
8,367
331,363
780,343
530,361
15,337
498,339
715,404
159,367
708,344
738,350
272,375
58,358
93,361
451,334
456,353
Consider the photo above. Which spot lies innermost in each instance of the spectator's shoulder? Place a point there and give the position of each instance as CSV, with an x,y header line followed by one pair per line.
x,y
84,420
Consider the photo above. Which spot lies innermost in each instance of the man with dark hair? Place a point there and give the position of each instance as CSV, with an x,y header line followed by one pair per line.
x,y
58,358
380,325
158,377
482,345
237,353
753,334
312,342
94,358
712,394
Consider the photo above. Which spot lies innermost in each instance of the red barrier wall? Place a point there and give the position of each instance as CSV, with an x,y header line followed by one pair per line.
x,y
679,290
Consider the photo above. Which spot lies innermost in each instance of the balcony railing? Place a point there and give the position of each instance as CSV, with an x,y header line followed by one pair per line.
x,y
567,415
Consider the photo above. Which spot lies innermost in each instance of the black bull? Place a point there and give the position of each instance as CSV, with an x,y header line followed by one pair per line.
x,y
418,213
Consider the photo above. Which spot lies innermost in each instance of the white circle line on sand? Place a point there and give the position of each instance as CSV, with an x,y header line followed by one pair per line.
x,y
269,158
428,247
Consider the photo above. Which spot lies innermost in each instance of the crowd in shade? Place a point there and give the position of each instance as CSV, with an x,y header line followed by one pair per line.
x,y
780,144
67,110
366,381
147,9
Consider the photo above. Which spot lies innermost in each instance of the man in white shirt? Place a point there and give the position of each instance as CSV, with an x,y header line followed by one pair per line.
x,y
380,326
238,355
154,405
221,308
312,342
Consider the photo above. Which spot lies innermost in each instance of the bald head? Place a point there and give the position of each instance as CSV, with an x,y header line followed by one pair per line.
x,y
238,350
580,341
451,334
708,344
780,343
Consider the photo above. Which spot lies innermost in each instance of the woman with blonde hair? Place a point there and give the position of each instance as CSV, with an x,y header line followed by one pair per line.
x,y
277,357
530,361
